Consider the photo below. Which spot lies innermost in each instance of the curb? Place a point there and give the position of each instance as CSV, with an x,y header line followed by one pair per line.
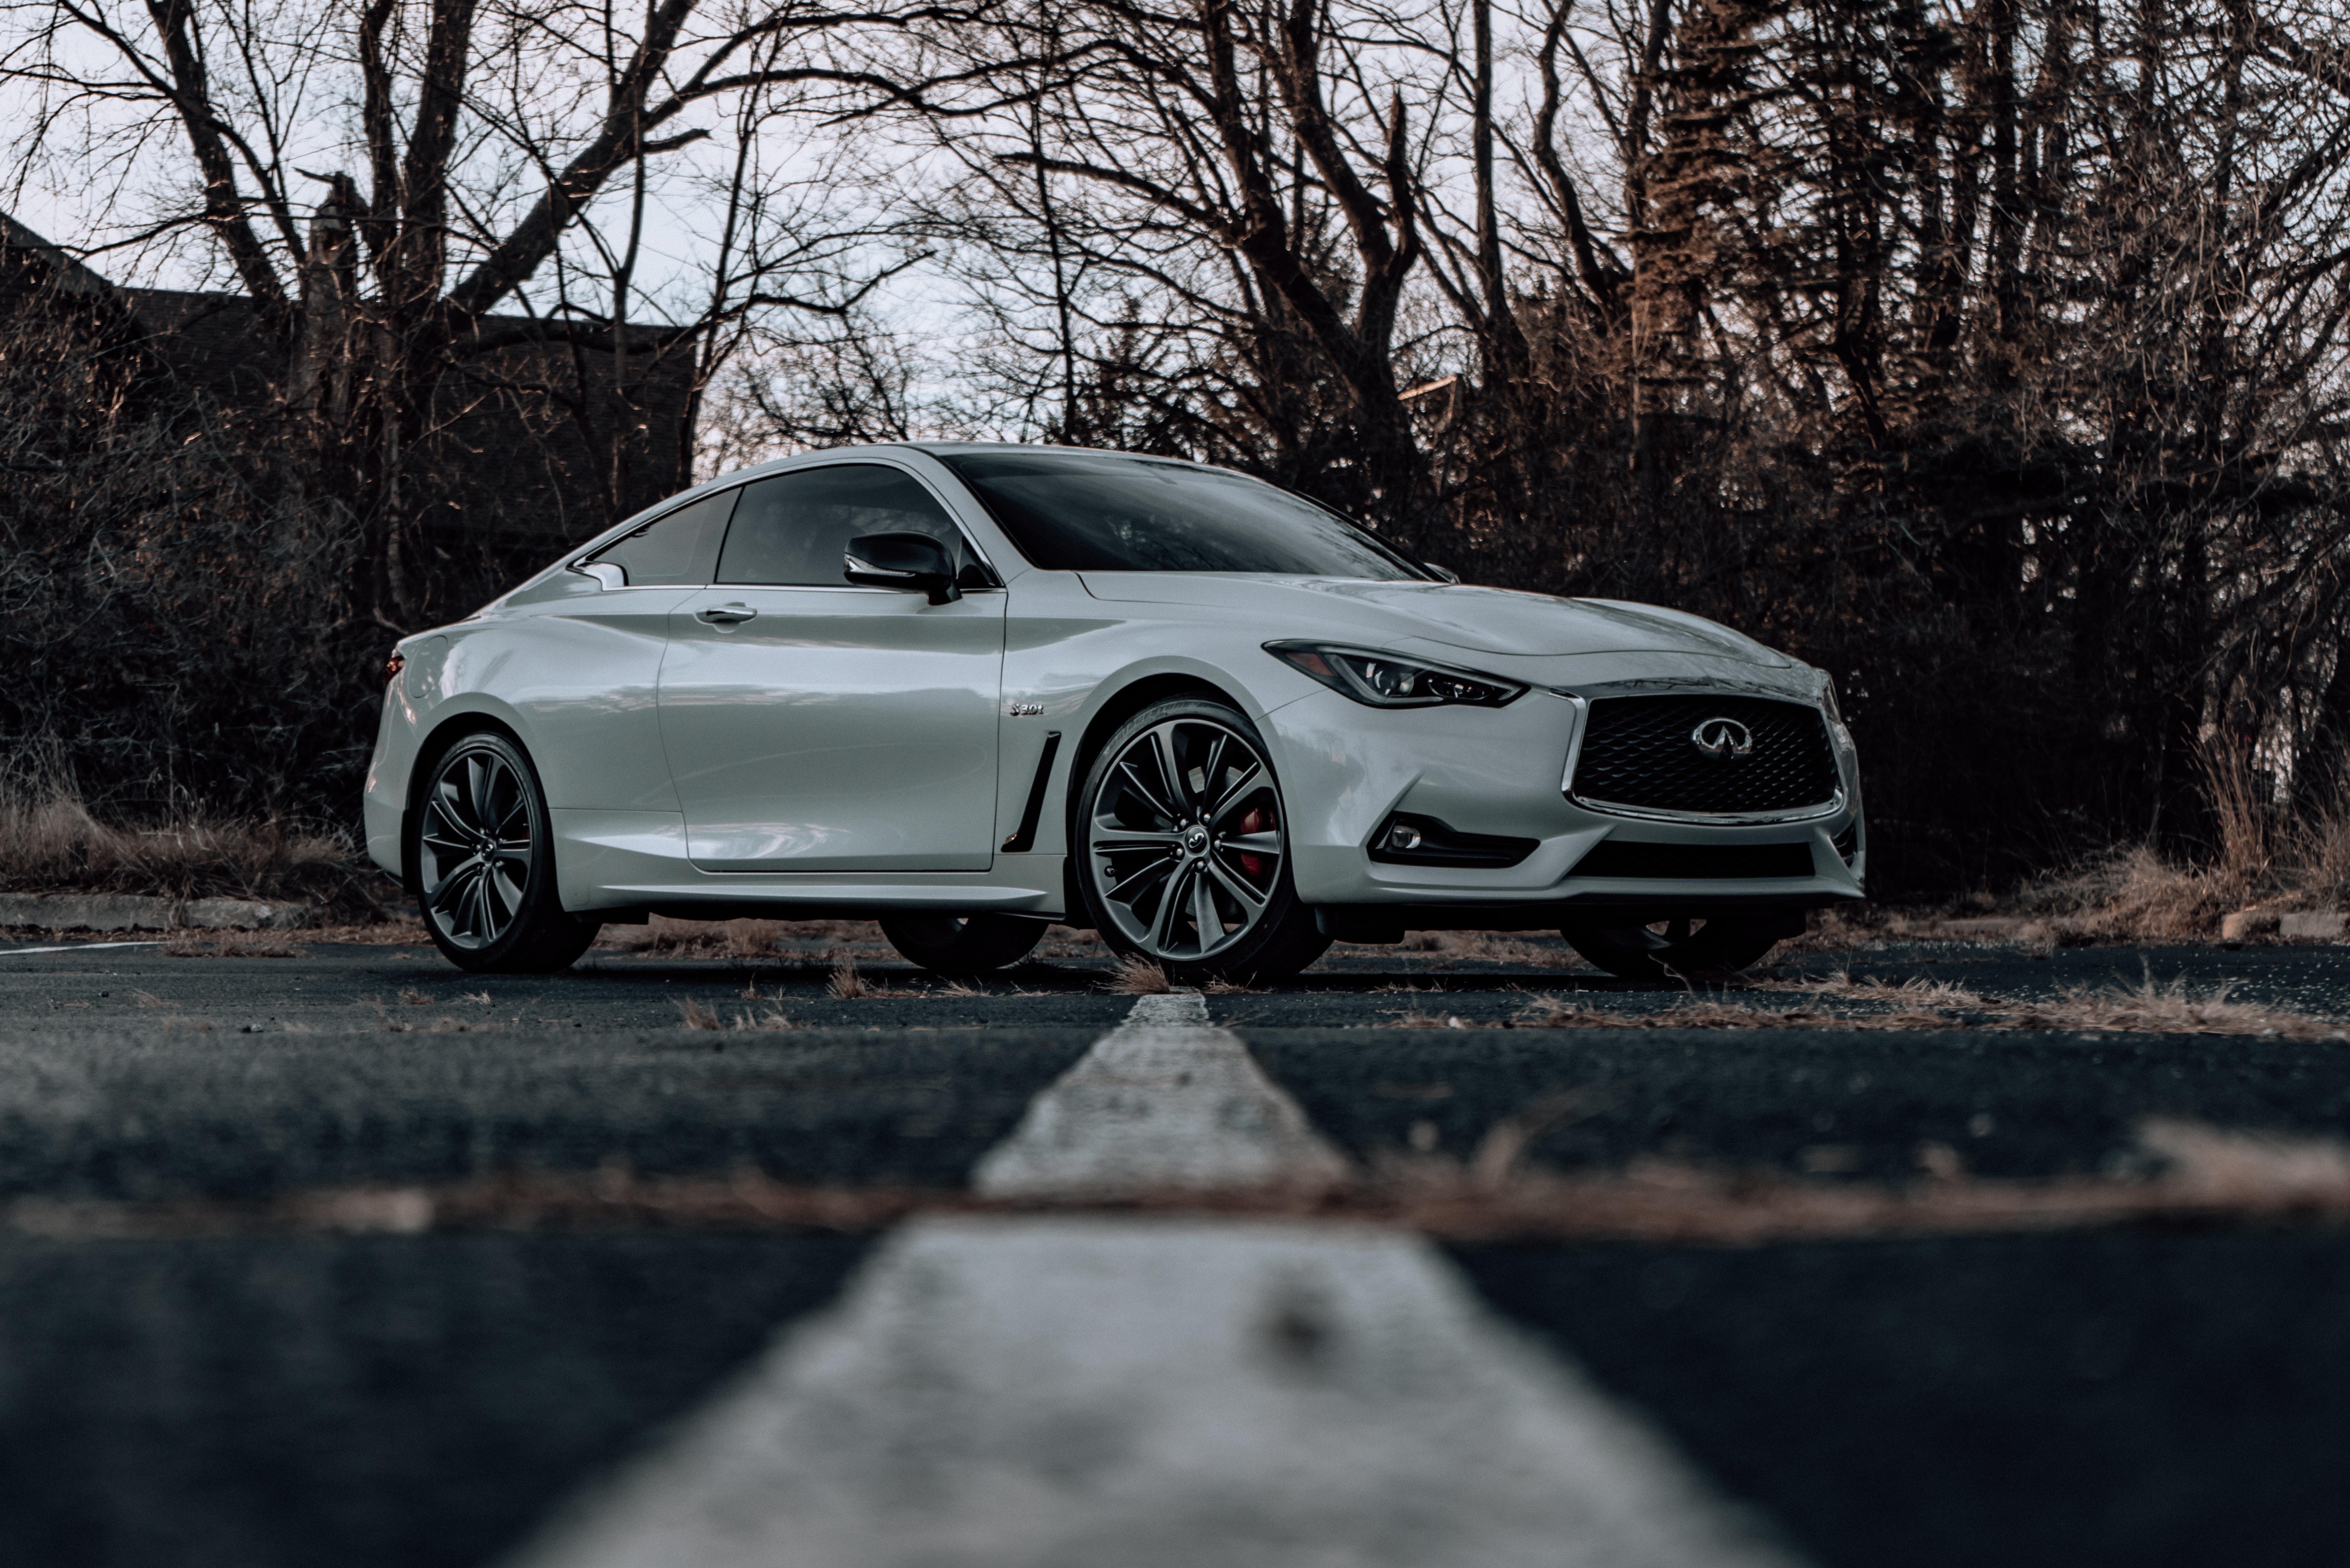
x,y
132,913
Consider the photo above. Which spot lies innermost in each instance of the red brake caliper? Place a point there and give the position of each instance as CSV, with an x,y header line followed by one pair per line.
x,y
1252,823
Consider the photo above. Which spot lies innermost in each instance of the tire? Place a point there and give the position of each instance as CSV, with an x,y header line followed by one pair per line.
x,y
1722,946
483,844
1192,875
963,944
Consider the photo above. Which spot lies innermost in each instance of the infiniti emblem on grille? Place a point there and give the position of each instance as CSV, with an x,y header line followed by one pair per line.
x,y
1719,737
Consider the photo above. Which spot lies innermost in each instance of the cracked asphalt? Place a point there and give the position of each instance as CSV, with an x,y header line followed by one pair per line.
x,y
2126,1395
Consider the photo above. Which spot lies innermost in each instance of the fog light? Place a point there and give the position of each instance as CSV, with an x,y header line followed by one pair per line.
x,y
1407,838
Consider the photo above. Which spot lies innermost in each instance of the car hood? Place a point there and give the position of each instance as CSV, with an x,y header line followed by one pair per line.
x,y
1479,620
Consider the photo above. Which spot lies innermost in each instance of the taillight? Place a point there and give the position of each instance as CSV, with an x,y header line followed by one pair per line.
x,y
393,666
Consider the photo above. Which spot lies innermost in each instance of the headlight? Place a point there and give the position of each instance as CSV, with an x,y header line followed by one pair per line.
x,y
1383,681
1828,696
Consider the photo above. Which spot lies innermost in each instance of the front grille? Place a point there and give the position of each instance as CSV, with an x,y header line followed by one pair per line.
x,y
1637,752
1710,862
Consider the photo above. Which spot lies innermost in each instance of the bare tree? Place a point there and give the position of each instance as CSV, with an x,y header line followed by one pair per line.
x,y
482,142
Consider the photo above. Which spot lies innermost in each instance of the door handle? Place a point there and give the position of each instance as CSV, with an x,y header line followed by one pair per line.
x,y
726,614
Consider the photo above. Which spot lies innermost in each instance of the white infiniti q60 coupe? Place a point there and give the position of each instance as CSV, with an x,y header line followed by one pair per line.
x,y
974,690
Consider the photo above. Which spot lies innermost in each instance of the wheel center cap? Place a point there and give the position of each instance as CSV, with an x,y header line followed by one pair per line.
x,y
1195,841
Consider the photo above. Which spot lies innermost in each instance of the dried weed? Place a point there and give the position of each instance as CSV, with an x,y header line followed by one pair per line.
x,y
1138,976
2146,1008
1694,1012
772,1018
2151,1009
2200,1173
50,842
229,944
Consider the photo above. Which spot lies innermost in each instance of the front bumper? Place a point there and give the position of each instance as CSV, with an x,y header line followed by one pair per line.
x,y
1346,767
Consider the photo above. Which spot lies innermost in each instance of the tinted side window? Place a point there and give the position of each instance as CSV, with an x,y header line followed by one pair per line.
x,y
667,551
793,529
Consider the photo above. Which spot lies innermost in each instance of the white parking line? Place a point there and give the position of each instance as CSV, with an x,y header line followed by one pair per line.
x,y
1077,1391
1163,1101
76,948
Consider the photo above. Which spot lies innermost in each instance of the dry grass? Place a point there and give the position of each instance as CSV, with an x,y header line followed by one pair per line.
x,y
767,944
1915,993
1138,976
2202,1175
1413,1018
2206,1174
230,944
1064,945
388,1025
2135,895
2172,1009
49,842
398,933
733,940
1491,947
692,1015
1694,1012
1836,930
2146,1008
846,984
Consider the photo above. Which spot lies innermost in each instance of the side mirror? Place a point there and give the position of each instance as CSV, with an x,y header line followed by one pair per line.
x,y
915,562
607,573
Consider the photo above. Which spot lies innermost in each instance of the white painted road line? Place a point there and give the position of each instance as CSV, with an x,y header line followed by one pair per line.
x,y
1114,1393
1109,1392
76,948
1163,1101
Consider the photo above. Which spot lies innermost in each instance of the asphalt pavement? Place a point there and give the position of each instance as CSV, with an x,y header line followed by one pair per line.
x,y
192,1371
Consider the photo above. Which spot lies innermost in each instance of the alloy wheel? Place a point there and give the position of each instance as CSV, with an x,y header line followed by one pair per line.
x,y
476,849
1186,840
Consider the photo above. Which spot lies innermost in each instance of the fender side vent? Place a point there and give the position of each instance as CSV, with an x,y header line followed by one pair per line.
x,y
1710,862
1024,837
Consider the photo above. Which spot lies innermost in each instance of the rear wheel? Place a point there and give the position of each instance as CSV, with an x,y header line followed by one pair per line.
x,y
482,846
963,944
1185,849
1686,944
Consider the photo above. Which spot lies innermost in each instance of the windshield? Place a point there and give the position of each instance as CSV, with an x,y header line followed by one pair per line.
x,y
1094,512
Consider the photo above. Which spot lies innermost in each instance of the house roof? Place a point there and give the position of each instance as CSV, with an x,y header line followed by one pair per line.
x,y
65,271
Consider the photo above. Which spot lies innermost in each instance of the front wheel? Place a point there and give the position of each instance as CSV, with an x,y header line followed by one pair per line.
x,y
1688,945
959,945
1185,849
482,846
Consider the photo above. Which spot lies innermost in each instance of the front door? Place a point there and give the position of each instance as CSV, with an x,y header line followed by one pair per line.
x,y
814,726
